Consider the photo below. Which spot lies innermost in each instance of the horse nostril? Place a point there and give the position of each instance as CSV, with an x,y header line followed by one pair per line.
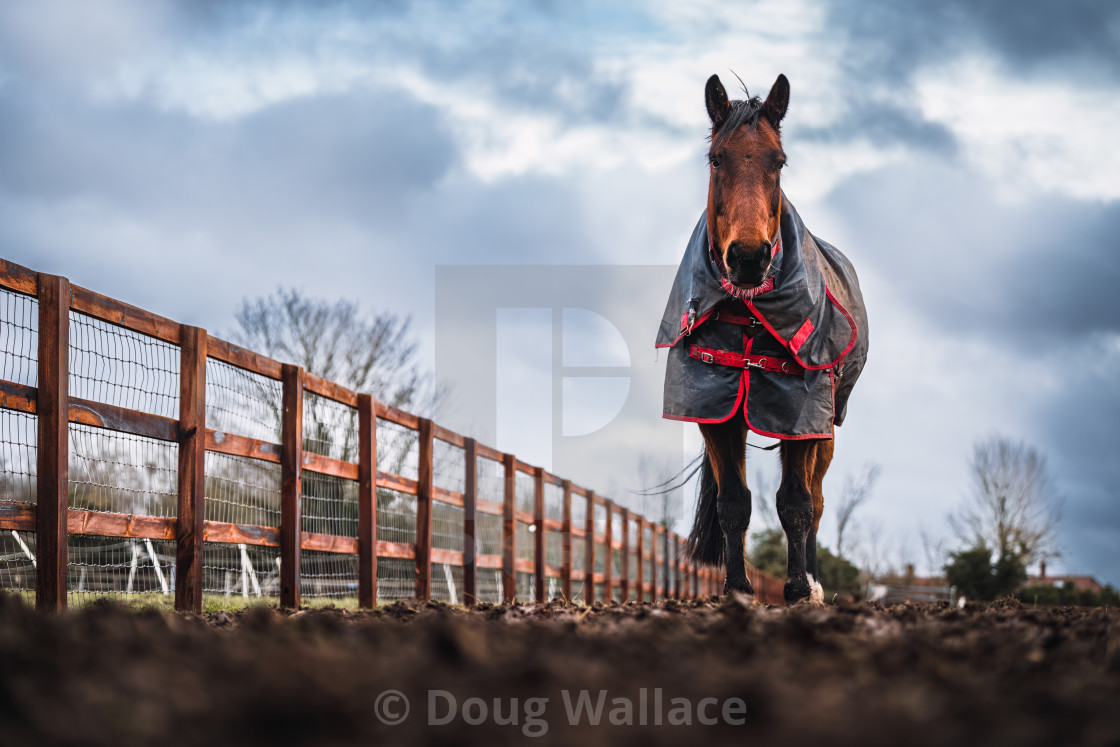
x,y
766,247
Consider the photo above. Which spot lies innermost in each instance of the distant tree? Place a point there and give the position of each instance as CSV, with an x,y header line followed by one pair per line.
x,y
974,575
767,551
338,341
659,489
855,493
838,575
1068,594
373,354
1013,507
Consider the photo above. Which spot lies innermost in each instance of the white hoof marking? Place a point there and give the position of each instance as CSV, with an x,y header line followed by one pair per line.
x,y
816,591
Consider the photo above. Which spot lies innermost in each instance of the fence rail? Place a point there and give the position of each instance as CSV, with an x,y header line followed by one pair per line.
x,y
258,478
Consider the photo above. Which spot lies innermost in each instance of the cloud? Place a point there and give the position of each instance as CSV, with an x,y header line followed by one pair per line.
x,y
1041,133
892,40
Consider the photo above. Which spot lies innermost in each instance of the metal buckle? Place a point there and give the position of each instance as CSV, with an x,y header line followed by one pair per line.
x,y
748,363
707,357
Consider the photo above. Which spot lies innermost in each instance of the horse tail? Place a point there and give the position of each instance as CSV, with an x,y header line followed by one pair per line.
x,y
705,542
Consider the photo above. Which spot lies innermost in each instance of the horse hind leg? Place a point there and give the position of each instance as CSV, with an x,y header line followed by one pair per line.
x,y
726,448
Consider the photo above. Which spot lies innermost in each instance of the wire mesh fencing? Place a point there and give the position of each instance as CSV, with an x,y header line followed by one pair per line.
x,y
238,574
330,428
396,579
140,571
329,505
488,527
17,561
396,522
121,473
242,402
398,449
242,491
18,454
329,576
19,338
447,534
448,466
120,367
447,583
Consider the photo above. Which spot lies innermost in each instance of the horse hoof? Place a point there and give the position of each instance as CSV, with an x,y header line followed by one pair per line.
x,y
742,598
796,591
805,590
743,588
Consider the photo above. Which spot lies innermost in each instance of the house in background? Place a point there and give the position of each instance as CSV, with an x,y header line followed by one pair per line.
x,y
1081,583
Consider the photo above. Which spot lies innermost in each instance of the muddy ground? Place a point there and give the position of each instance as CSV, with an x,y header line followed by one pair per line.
x,y
847,674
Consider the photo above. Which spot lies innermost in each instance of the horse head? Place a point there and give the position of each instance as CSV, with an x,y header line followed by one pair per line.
x,y
744,193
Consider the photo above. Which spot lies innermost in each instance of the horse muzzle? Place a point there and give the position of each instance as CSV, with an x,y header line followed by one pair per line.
x,y
747,268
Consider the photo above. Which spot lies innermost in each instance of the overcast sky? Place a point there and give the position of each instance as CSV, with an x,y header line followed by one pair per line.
x,y
183,156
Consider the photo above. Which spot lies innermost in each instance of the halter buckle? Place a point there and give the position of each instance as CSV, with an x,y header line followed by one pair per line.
x,y
707,357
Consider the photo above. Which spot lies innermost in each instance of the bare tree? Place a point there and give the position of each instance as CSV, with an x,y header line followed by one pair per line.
x,y
1013,506
374,354
934,549
872,552
661,495
855,493
764,513
336,340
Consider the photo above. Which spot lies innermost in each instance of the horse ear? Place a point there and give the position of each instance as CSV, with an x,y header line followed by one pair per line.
x,y
716,99
777,101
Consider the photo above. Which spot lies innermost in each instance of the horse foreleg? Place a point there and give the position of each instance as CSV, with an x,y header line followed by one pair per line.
x,y
795,511
819,460
726,445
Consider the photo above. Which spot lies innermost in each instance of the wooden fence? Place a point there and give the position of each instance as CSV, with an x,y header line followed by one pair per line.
x,y
660,570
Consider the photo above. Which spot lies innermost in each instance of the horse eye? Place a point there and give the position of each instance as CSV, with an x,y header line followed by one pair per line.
x,y
714,161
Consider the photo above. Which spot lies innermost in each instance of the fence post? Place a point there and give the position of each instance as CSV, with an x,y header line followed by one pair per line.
x,y
589,550
192,474
291,475
566,542
661,563
538,534
608,565
624,585
367,501
425,475
675,559
470,523
509,528
53,452
679,562
641,575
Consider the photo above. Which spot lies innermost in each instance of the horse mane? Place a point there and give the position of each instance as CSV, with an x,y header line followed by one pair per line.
x,y
742,112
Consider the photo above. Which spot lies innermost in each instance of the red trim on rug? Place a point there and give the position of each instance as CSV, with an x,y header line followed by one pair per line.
x,y
786,344
746,415
801,335
687,419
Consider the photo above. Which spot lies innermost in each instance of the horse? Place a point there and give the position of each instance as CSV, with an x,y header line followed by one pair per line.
x,y
753,271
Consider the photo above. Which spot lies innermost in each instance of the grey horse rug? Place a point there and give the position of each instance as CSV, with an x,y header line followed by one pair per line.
x,y
786,354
